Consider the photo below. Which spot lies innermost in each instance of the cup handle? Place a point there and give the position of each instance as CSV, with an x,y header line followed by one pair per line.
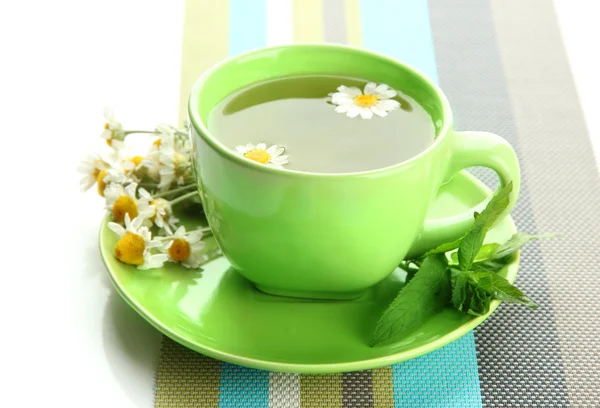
x,y
471,149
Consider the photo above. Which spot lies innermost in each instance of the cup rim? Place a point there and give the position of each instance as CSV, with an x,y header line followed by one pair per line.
x,y
202,130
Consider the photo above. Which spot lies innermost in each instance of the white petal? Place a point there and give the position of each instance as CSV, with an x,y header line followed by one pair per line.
x,y
370,87
366,113
388,104
241,149
116,228
353,112
109,113
379,112
250,146
130,189
144,194
381,88
352,90
390,93
261,146
342,108
127,221
180,232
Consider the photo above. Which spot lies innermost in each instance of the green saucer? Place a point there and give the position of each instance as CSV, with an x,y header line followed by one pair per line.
x,y
220,314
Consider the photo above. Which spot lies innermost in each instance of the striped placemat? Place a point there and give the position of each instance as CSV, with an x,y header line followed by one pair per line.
x,y
503,66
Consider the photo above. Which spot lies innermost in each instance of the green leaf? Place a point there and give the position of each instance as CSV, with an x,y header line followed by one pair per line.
x,y
467,297
516,242
471,244
459,290
499,288
442,249
486,252
426,294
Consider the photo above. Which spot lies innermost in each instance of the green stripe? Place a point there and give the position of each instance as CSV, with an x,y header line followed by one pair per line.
x,y
383,387
205,42
186,378
321,391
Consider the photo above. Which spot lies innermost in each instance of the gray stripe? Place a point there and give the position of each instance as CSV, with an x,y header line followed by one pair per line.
x,y
565,188
334,20
357,389
284,390
518,351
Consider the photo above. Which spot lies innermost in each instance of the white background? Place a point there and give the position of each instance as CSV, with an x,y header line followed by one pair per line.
x,y
67,339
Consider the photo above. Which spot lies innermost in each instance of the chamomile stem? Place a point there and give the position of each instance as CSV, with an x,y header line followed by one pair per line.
x,y
183,198
150,132
176,190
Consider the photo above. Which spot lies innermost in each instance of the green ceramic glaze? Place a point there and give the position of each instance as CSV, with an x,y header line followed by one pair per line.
x,y
220,314
331,235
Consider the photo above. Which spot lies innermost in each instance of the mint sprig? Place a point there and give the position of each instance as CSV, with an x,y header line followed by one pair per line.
x,y
466,279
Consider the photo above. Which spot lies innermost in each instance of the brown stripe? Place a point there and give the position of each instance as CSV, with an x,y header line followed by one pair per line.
x,y
518,352
565,187
357,389
317,391
186,378
383,387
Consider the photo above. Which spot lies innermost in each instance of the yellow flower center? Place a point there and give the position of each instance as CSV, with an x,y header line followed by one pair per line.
x,y
180,250
130,249
258,155
137,160
157,142
124,205
366,100
106,126
100,180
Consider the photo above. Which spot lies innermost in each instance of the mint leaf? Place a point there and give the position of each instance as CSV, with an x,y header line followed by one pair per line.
x,y
499,288
516,242
468,298
449,246
471,244
426,294
487,251
459,290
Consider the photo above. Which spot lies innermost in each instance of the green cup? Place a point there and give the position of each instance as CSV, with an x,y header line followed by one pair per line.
x,y
331,236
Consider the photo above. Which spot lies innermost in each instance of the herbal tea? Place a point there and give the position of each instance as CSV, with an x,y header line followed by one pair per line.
x,y
324,124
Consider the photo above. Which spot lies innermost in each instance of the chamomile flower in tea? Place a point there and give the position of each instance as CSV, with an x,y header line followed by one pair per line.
x,y
135,244
375,99
185,248
302,114
272,156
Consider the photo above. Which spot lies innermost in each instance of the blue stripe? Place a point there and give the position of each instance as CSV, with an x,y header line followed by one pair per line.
x,y
448,377
247,25
401,29
243,387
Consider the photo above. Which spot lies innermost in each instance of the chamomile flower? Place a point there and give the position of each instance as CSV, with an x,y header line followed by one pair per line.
x,y
375,99
135,244
169,160
185,247
113,130
272,156
90,168
122,201
159,211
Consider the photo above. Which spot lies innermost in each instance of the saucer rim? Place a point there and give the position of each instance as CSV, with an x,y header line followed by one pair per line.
x,y
320,368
